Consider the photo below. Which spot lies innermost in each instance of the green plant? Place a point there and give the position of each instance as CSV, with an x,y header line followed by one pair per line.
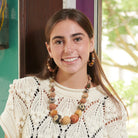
x,y
127,92
120,26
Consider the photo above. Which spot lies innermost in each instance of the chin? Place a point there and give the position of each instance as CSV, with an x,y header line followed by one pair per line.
x,y
71,71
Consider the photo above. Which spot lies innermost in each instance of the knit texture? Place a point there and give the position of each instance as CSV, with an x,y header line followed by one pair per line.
x,y
26,114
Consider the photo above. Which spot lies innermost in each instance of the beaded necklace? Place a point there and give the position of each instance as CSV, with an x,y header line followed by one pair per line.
x,y
66,119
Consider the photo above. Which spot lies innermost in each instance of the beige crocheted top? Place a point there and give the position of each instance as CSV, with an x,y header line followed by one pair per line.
x,y
26,113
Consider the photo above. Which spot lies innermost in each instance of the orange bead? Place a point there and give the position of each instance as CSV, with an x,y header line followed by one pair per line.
x,y
52,106
85,95
78,112
66,120
83,100
52,94
74,118
52,89
53,113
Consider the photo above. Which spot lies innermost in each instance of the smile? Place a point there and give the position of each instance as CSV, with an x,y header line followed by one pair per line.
x,y
70,59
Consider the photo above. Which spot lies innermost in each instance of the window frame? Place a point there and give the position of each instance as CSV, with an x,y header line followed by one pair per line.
x,y
98,26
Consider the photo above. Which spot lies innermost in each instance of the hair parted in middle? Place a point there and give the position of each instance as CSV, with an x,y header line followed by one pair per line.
x,y
74,15
96,72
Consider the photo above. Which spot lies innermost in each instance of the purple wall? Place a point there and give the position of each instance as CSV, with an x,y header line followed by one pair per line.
x,y
87,7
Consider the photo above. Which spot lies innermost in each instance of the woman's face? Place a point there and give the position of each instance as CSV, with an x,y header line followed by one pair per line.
x,y
70,47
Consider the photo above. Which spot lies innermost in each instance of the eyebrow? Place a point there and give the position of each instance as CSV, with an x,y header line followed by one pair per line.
x,y
55,37
61,37
77,34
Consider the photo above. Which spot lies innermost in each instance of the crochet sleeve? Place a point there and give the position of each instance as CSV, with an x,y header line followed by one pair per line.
x,y
115,119
11,120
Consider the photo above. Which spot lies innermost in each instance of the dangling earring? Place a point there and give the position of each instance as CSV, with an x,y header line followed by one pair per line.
x,y
92,59
50,64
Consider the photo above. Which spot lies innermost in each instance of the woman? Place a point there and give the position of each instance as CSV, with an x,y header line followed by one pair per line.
x,y
68,98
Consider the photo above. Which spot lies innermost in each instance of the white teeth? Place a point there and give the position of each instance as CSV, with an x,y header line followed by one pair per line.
x,y
70,59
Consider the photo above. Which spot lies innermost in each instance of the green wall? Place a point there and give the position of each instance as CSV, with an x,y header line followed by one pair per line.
x,y
9,57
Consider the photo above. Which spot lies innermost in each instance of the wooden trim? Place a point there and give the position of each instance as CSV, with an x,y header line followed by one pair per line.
x,y
32,18
22,35
98,26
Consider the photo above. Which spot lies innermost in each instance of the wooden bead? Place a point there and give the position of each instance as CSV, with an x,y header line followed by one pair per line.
x,y
86,91
52,89
83,100
52,94
78,112
53,113
81,107
74,118
52,106
88,86
51,99
85,95
57,118
65,120
51,80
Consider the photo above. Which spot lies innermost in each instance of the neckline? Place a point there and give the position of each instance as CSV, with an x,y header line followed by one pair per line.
x,y
58,85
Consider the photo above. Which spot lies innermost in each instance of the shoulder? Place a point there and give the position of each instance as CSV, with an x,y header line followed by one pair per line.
x,y
97,92
24,89
27,83
111,104
24,83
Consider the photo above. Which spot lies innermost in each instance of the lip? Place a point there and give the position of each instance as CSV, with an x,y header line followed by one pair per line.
x,y
70,59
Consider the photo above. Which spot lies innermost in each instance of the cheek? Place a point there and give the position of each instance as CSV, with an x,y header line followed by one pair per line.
x,y
84,48
56,52
84,52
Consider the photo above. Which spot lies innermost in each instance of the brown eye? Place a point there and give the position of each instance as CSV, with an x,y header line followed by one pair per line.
x,y
58,42
77,39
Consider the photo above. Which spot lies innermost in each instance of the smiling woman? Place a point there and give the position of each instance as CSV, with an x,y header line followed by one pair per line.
x,y
69,97
70,47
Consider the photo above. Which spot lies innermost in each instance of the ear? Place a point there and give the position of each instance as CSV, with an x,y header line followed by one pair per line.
x,y
91,44
48,49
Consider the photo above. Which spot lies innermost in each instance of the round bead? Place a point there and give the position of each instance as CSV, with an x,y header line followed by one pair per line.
x,y
82,107
88,86
51,80
78,112
85,95
51,99
83,100
65,120
52,89
57,118
52,94
53,113
74,118
52,106
86,91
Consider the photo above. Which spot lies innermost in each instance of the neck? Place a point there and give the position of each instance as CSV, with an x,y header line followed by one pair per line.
x,y
75,81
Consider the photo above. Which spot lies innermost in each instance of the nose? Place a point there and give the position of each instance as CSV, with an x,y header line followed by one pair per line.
x,y
68,47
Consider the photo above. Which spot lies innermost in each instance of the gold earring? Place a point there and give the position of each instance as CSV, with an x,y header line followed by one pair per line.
x,y
50,64
92,59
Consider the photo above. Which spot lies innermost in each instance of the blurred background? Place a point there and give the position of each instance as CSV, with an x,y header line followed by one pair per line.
x,y
120,53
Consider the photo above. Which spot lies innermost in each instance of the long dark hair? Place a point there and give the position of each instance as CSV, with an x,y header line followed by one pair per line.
x,y
96,72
